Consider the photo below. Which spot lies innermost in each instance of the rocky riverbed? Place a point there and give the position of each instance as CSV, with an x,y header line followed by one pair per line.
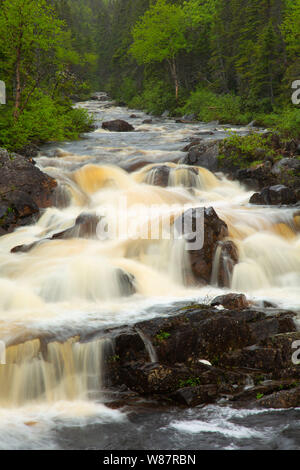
x,y
147,330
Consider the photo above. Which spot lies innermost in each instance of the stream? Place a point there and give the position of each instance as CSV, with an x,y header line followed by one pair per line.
x,y
52,390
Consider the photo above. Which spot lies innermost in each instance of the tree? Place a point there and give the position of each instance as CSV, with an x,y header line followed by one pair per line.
x,y
34,45
159,36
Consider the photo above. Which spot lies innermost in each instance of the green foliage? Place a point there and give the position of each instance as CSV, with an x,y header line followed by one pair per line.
x,y
209,106
42,121
156,98
163,335
191,382
259,396
242,152
160,34
286,122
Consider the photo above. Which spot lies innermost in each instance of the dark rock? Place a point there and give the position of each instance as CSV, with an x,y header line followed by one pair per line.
x,y
231,301
147,121
195,396
192,144
133,116
274,195
134,165
117,126
24,189
256,178
286,164
159,176
85,227
127,283
282,399
192,223
204,155
29,151
241,345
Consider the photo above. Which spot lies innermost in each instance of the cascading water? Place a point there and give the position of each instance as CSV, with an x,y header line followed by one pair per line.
x,y
69,286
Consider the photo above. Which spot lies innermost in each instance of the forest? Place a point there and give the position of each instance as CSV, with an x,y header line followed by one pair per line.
x,y
233,61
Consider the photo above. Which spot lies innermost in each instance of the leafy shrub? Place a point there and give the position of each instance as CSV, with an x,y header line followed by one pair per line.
x,y
43,120
286,122
210,107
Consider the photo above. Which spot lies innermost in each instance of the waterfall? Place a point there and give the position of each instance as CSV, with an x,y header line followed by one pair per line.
x,y
55,372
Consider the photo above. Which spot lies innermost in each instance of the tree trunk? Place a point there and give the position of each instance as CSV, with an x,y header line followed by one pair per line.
x,y
173,69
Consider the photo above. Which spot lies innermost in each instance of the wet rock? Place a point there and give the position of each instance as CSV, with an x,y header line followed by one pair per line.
x,y
195,396
231,301
127,283
274,195
117,126
85,227
192,144
29,151
24,190
204,155
207,234
147,121
245,347
256,178
133,116
229,258
273,354
159,176
134,165
282,399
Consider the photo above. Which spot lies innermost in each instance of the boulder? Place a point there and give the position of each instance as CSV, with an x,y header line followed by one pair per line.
x,y
282,399
275,195
147,121
242,348
286,164
159,176
192,144
204,155
231,301
215,230
24,190
85,227
117,126
127,283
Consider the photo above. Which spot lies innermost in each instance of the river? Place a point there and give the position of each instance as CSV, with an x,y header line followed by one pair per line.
x,y
52,391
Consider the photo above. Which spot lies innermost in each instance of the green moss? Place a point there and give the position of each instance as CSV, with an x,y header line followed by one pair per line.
x,y
115,358
259,396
